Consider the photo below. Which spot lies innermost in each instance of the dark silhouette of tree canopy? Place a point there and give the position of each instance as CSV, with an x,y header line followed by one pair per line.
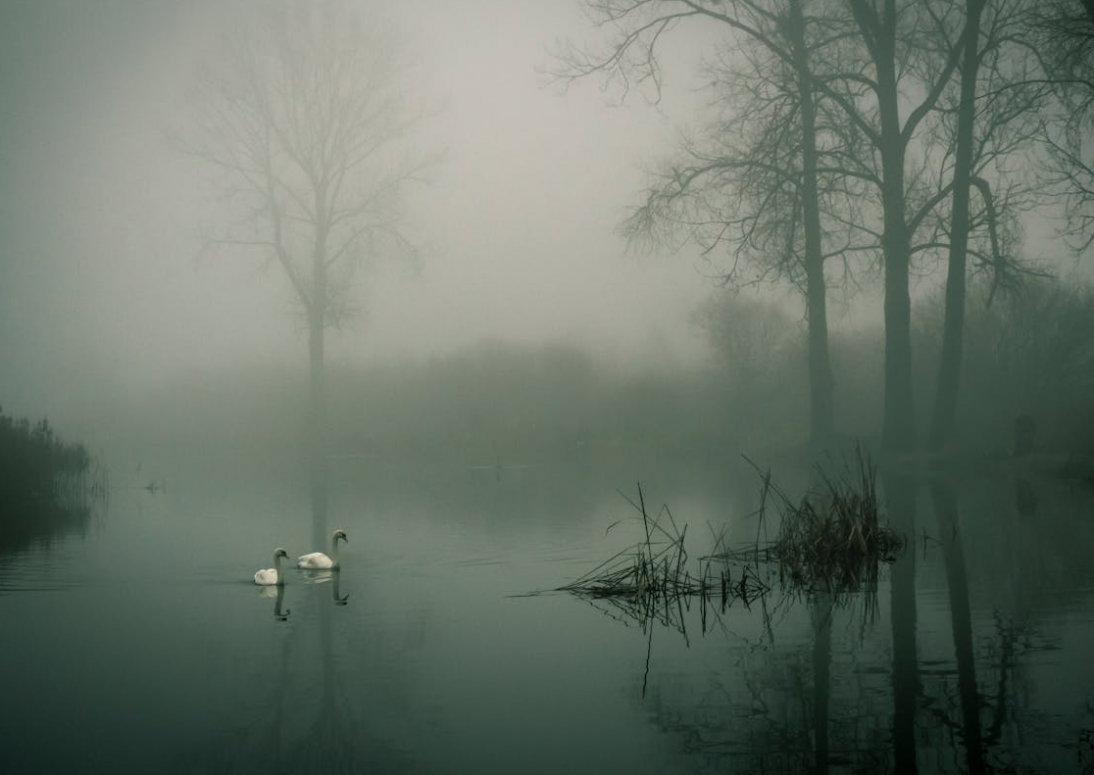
x,y
304,122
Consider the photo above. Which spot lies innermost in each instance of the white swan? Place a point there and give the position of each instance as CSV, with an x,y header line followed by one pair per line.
x,y
320,560
270,576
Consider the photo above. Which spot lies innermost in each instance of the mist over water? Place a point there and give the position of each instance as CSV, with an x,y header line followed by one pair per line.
x,y
500,396
143,643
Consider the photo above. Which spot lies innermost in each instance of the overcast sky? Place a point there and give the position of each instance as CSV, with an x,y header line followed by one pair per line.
x,y
99,275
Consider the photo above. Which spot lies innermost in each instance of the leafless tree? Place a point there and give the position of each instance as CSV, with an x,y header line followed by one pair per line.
x,y
855,120
989,119
302,119
752,184
1064,39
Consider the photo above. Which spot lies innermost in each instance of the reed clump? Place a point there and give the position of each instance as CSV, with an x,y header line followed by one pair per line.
x,y
35,461
651,579
835,537
48,486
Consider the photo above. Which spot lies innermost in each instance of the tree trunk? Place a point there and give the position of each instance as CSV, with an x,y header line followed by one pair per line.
x,y
949,368
820,369
821,423
317,415
898,423
317,419
316,384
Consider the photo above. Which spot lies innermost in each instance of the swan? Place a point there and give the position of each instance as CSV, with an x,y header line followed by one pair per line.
x,y
320,560
270,576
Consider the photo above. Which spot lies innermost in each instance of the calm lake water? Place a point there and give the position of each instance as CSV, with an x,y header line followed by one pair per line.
x,y
138,643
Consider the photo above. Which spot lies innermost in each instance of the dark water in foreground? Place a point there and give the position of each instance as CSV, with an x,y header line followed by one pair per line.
x,y
141,644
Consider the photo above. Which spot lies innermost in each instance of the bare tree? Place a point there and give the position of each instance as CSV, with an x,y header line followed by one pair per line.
x,y
903,60
872,72
1065,42
918,158
992,116
752,185
304,123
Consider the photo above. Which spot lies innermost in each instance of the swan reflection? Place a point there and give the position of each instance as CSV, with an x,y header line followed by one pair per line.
x,y
318,576
331,577
338,599
278,593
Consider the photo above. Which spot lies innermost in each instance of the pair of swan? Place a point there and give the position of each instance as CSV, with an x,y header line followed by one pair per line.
x,y
313,560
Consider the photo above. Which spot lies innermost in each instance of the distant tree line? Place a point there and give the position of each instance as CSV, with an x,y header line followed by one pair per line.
x,y
33,459
1028,352
44,483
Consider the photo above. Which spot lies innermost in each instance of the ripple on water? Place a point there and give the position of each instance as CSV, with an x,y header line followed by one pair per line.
x,y
41,568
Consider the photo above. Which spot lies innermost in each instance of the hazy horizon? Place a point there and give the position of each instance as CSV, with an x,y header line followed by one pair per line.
x,y
101,283
101,272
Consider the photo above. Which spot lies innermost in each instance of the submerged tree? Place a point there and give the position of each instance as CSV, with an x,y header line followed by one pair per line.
x,y
303,119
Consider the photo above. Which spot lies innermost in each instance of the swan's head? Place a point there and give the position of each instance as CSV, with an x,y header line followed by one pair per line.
x,y
280,553
341,534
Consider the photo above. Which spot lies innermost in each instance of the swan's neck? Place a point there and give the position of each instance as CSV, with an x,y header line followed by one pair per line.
x,y
277,569
334,551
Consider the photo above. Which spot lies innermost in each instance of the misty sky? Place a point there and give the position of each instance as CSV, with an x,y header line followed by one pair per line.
x,y
100,279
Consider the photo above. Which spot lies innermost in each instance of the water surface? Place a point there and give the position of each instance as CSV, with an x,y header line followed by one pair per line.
x,y
140,644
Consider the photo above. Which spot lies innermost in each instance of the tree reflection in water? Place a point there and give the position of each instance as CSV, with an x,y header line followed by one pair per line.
x,y
306,719
900,495
822,685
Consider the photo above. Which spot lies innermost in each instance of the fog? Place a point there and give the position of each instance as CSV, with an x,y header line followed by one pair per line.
x,y
109,297
886,503
102,280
